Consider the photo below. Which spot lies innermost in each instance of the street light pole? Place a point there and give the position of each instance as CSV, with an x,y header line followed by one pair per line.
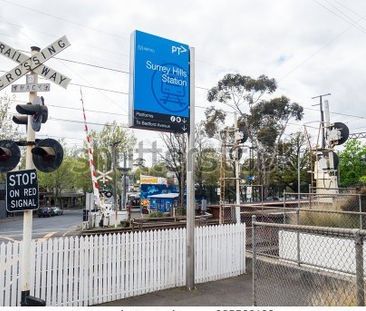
x,y
124,188
115,194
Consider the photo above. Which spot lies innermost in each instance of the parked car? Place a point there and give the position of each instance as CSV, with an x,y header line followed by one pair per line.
x,y
44,212
56,211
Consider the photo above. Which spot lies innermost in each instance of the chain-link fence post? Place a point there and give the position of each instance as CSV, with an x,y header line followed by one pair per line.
x,y
284,206
254,274
360,209
359,270
310,193
262,197
298,235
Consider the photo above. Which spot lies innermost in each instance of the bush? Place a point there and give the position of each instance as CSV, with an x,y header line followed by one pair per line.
x,y
125,224
155,214
180,211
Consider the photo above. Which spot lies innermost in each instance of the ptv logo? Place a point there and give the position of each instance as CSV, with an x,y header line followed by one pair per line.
x,y
178,49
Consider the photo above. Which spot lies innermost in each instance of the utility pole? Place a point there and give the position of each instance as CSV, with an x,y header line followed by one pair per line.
x,y
28,215
124,188
321,115
115,193
237,169
222,176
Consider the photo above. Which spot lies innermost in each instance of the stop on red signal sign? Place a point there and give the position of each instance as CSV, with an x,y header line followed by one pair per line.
x,y
22,191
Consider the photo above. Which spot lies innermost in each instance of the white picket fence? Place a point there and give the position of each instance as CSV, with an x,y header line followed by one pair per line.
x,y
80,271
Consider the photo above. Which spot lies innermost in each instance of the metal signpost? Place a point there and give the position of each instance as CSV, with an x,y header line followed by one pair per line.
x,y
31,64
159,84
162,99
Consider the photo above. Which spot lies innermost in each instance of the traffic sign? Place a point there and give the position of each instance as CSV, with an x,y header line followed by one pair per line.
x,y
34,63
160,84
33,87
21,191
104,176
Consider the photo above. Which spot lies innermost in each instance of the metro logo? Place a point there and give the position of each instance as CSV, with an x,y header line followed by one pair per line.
x,y
178,49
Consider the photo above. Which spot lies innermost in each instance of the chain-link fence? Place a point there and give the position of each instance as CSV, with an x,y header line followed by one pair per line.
x,y
310,210
307,265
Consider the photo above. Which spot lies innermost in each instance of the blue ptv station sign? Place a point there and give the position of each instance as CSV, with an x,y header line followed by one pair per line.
x,y
160,84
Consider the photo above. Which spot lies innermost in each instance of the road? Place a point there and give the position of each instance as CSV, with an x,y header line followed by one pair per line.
x,y
43,228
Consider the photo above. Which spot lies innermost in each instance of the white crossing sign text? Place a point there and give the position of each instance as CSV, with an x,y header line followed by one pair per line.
x,y
34,63
32,87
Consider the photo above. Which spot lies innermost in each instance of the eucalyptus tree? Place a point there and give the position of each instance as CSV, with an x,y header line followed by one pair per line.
x,y
264,116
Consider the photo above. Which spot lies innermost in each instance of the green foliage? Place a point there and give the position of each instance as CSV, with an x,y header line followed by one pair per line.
x,y
328,220
74,172
352,164
289,153
232,85
207,162
158,170
214,118
268,119
265,119
8,129
180,211
124,224
156,214
63,179
103,141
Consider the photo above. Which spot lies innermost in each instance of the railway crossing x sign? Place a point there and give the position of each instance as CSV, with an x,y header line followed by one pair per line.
x,y
34,63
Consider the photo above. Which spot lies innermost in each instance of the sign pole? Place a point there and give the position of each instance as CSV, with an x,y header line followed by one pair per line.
x,y
190,180
28,215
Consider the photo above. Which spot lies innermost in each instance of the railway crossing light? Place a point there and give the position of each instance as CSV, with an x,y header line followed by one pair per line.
x,y
243,134
47,155
9,155
36,109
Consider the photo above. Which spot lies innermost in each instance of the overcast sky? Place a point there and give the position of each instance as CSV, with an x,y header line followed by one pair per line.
x,y
310,47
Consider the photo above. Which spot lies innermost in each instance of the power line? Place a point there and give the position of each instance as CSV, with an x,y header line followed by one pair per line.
x,y
76,109
84,63
98,88
347,8
345,17
354,24
104,89
196,106
92,123
60,137
109,69
340,113
63,19
89,110
92,65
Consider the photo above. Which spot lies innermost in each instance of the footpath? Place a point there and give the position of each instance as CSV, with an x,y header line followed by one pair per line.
x,y
236,291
